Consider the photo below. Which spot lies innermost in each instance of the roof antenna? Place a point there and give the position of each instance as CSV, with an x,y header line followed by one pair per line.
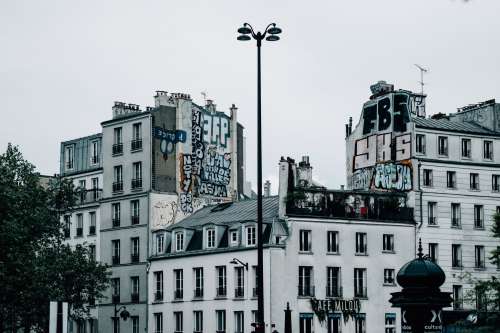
x,y
204,94
422,71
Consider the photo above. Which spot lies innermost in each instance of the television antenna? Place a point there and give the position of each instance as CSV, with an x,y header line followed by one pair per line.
x,y
422,71
204,94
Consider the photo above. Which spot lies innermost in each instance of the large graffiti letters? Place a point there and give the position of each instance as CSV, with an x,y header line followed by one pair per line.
x,y
392,176
361,179
168,139
215,129
386,112
381,148
186,202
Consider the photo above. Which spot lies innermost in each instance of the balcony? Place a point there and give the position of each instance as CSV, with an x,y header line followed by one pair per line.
x,y
178,294
220,292
79,232
84,197
306,291
134,297
239,292
134,257
117,187
115,260
134,219
380,206
136,144
198,293
116,299
92,230
116,222
360,292
158,296
118,149
333,291
136,183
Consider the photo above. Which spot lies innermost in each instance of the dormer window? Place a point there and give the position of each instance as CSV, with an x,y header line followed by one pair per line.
x,y
160,243
179,241
210,238
234,237
251,236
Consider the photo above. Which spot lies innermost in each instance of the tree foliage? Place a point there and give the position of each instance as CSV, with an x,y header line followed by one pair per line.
x,y
36,266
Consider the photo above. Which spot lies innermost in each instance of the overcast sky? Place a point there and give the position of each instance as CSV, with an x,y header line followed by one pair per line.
x,y
64,63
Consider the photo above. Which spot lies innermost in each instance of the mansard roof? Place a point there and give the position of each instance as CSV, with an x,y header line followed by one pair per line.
x,y
453,126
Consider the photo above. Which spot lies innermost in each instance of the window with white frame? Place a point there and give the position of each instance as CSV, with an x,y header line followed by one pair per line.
x,y
211,238
456,255
495,183
431,213
332,241
455,215
160,243
179,241
433,252
389,276
360,283
220,321
198,282
360,323
158,277
428,177
79,225
117,136
198,321
239,282
221,281
251,236
451,179
334,323
178,322
420,143
333,284
306,323
305,240
457,297
134,282
443,145
178,283
92,223
388,243
94,153
135,324
390,323
474,181
239,322
69,157
158,320
478,216
488,150
479,255
466,148
134,211
361,243
306,281
234,237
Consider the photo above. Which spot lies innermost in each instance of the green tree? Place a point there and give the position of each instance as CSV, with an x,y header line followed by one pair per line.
x,y
36,266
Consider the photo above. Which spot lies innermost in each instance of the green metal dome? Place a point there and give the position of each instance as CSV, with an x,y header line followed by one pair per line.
x,y
420,273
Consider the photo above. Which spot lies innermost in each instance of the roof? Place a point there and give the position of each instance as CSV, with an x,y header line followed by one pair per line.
x,y
229,213
453,126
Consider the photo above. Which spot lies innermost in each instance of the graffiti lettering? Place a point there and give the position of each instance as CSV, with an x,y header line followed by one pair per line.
x,y
186,202
381,148
213,189
361,179
168,139
216,168
215,129
387,111
393,176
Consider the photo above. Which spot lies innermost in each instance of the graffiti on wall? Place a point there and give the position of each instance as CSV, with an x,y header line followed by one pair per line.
x,y
384,176
381,148
168,139
362,178
388,113
215,129
169,209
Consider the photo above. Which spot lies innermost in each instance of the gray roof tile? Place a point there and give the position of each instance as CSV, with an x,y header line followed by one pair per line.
x,y
453,126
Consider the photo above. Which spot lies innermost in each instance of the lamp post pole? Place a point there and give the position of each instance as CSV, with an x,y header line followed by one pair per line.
x,y
245,32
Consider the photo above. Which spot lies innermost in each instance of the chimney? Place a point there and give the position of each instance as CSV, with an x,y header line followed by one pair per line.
x,y
342,187
161,98
350,125
210,106
304,172
267,188
283,185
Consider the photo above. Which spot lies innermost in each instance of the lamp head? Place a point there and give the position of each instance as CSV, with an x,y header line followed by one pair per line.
x,y
272,38
124,314
274,30
244,30
243,37
234,262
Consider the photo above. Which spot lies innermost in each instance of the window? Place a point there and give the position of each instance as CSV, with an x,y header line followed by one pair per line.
x,y
210,238
178,284
427,177
239,282
69,157
474,181
93,326
135,324
134,242
198,321
305,240
117,178
92,252
333,286
220,320
136,136
94,154
79,225
433,252
178,322
255,282
117,141
455,215
361,246
388,243
443,145
158,276
456,255
360,323
116,211
160,243
478,217
306,323
115,289
488,150
332,242
457,297
179,241
334,323
431,211
198,282
116,325
451,179
221,281
390,323
389,276
136,175
158,318
251,236
239,323
495,183
360,282
67,226
466,148
420,143
234,237
92,222
479,255
134,207
95,189
306,287
134,295
115,248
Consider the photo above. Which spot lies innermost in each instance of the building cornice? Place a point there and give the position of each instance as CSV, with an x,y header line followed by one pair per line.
x,y
124,119
444,161
358,221
125,196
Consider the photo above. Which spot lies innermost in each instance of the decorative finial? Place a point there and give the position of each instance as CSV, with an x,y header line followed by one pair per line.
x,y
420,254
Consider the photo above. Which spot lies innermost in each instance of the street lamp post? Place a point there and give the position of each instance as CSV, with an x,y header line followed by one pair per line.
x,y
270,34
124,314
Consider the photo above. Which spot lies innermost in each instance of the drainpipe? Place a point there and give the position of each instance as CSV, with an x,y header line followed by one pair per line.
x,y
421,195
